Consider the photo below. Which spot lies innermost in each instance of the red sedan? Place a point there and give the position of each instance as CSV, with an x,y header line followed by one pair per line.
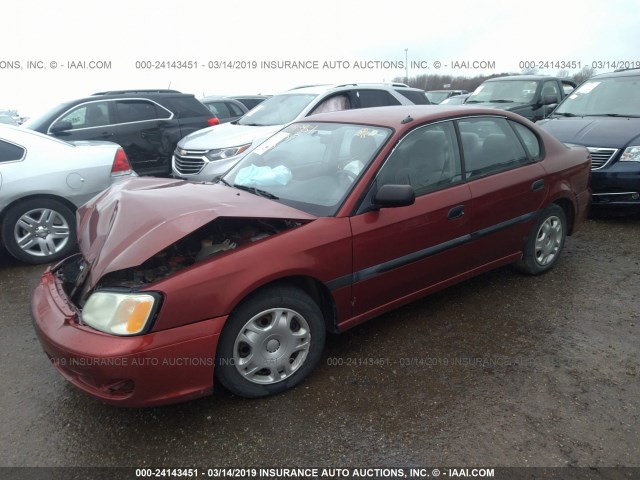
x,y
332,221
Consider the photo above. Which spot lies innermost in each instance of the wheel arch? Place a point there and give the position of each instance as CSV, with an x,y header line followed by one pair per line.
x,y
313,287
569,212
35,196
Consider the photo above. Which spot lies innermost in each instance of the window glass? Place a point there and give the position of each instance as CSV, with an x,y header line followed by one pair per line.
x,y
551,89
278,110
234,110
427,159
530,140
310,166
619,96
218,109
135,110
489,146
94,114
334,104
10,152
185,107
417,97
376,98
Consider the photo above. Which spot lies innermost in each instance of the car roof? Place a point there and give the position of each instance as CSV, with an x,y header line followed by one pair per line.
x,y
526,77
322,88
217,97
394,116
631,72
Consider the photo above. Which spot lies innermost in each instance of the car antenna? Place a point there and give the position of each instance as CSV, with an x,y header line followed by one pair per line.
x,y
407,119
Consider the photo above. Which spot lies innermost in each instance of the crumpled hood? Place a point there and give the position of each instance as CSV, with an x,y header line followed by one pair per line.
x,y
226,135
601,132
135,219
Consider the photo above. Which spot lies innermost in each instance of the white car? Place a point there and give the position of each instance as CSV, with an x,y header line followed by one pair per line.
x,y
210,152
42,182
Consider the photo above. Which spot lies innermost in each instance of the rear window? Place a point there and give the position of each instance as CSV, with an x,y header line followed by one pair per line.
x,y
185,107
417,97
376,98
10,152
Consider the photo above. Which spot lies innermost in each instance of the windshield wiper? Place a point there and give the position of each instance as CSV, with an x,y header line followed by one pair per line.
x,y
613,115
501,101
565,114
256,191
474,101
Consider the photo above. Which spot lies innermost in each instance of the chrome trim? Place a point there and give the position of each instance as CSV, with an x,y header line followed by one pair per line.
x,y
601,152
600,194
110,124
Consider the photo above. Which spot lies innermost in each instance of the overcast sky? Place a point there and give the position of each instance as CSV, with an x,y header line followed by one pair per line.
x,y
121,33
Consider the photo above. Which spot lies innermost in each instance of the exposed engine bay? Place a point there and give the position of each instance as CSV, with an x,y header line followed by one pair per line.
x,y
219,236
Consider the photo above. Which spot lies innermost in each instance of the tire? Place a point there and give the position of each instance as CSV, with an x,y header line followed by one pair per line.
x,y
545,242
39,230
270,342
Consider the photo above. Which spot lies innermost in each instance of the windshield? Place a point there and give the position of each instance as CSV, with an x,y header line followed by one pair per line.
x,y
278,110
506,91
437,97
606,96
309,166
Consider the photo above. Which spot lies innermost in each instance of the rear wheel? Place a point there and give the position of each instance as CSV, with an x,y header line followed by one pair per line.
x,y
270,342
39,230
545,241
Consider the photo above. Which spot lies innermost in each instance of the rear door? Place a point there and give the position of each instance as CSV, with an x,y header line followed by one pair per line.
x,y
507,183
405,250
145,134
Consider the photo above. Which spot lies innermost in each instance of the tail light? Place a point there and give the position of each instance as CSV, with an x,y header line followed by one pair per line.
x,y
121,165
213,121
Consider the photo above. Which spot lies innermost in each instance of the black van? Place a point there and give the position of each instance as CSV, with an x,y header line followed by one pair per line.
x,y
146,123
603,114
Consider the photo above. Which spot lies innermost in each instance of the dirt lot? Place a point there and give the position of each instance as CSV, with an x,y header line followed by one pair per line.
x,y
502,370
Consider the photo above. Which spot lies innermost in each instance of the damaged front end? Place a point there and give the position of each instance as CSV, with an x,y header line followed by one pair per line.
x,y
222,235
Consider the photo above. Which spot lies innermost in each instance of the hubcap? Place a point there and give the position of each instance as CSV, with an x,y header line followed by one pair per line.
x,y
548,241
41,232
272,346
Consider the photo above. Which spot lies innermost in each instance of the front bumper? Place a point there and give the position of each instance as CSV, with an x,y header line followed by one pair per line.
x,y
616,185
157,368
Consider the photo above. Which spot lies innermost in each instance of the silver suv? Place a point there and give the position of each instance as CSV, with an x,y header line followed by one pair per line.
x,y
210,152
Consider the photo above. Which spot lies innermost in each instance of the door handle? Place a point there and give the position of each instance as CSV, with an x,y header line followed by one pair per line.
x,y
537,185
107,134
456,212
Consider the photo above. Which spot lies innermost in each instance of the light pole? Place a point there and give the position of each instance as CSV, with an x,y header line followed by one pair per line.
x,y
406,65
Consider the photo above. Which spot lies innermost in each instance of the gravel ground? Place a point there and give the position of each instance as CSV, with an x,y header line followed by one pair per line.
x,y
501,370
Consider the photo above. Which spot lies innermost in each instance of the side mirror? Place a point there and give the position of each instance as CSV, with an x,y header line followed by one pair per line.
x,y
392,196
60,127
549,99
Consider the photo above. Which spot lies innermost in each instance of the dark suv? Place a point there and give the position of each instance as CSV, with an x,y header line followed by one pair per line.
x,y
147,123
603,114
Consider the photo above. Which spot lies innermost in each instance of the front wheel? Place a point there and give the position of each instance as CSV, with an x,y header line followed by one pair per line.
x,y
270,342
545,241
39,230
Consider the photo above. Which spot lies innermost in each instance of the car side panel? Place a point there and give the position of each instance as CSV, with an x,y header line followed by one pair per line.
x,y
505,206
398,251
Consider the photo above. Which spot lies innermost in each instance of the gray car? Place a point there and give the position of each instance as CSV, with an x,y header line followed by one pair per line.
x,y
43,181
